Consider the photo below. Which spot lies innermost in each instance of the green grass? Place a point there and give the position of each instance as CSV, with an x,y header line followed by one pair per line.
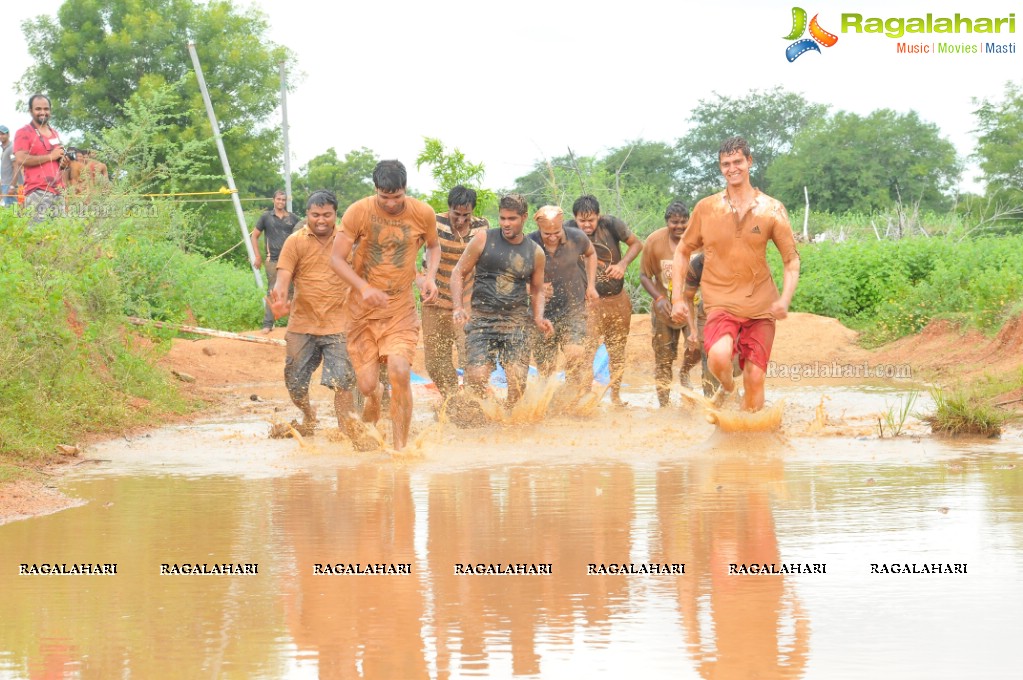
x,y
893,418
965,411
69,364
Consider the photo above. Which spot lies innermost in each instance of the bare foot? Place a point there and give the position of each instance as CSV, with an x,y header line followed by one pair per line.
x,y
268,331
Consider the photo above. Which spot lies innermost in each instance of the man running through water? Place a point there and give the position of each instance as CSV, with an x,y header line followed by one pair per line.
x,y
742,300
655,276
507,300
610,317
570,271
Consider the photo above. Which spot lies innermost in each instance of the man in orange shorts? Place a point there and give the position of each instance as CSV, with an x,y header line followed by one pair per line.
x,y
388,228
741,299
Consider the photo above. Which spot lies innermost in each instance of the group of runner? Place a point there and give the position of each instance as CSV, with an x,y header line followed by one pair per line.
x,y
501,296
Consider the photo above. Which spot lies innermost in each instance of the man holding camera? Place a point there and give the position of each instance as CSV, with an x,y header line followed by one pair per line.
x,y
39,151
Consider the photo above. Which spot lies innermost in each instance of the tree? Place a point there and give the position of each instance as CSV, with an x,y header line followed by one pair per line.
x,y
449,170
871,163
644,166
563,179
769,120
145,146
1000,145
350,178
97,54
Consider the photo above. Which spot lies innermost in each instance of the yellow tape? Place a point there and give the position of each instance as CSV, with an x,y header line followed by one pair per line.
x,y
221,190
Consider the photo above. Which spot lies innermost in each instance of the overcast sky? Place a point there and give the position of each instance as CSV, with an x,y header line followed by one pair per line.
x,y
512,83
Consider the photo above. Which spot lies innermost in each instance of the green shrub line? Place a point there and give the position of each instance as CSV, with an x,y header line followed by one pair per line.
x,y
69,364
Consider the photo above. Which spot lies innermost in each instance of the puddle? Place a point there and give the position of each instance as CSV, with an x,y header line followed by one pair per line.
x,y
622,490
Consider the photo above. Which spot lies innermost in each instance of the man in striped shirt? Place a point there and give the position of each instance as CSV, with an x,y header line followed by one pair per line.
x,y
455,228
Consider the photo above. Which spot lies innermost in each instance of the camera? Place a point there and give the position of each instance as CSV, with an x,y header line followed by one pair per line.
x,y
71,153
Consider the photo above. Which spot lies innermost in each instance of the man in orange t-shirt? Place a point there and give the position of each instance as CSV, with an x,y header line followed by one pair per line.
x,y
316,321
388,230
741,299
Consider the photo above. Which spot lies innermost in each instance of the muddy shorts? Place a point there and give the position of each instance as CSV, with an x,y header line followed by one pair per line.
x,y
569,329
490,341
666,337
752,339
305,352
370,340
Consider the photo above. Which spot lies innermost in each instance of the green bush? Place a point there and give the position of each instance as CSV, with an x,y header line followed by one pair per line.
x,y
66,365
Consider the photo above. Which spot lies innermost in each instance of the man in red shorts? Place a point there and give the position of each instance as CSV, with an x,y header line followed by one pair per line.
x,y
741,299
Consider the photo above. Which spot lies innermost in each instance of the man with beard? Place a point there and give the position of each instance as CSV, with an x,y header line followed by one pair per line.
x,y
315,332
509,274
386,231
742,300
611,316
40,153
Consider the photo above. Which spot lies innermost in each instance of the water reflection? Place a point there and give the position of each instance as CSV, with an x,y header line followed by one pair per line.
x,y
744,501
139,623
355,626
718,511
560,515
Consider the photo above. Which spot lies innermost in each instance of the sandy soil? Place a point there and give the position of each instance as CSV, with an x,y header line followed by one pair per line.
x,y
239,377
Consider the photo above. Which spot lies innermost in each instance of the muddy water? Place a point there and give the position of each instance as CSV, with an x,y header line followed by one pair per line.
x,y
631,486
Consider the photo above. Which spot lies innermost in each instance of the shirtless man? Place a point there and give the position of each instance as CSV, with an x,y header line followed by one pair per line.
x,y
742,300
389,229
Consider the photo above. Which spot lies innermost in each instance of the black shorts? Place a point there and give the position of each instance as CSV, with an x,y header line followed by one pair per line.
x,y
306,352
490,341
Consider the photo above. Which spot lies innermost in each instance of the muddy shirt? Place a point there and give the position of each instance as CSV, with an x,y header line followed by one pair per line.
x,y
276,230
566,270
318,307
736,277
502,272
385,253
656,264
609,236
656,260
451,248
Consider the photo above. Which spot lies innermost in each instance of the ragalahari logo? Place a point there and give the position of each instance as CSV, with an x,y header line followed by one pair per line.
x,y
817,35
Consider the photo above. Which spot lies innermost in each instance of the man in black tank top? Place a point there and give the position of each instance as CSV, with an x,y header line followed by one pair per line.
x,y
507,300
